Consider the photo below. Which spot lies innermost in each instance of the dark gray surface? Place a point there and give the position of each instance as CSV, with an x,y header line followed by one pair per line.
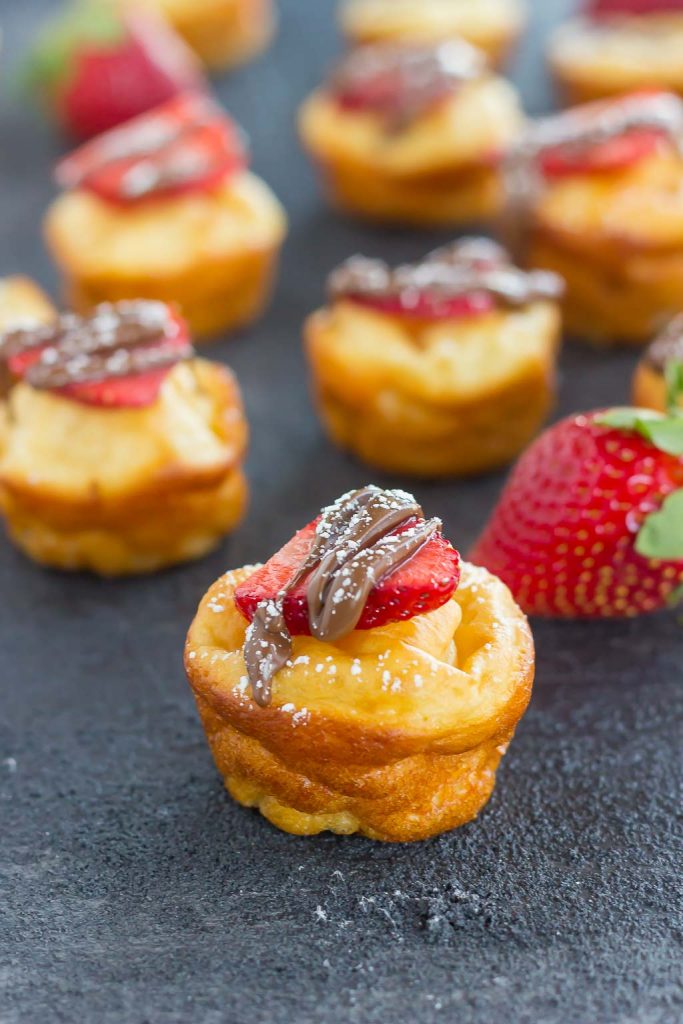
x,y
137,893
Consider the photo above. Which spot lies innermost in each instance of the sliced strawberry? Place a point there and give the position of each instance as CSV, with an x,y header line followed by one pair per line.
x,y
612,155
99,67
188,144
130,392
421,585
376,92
135,391
590,524
428,306
597,9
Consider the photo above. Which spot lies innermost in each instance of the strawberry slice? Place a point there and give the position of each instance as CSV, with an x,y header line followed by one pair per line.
x,y
428,306
614,154
420,585
376,92
188,144
598,9
136,391
97,67
132,391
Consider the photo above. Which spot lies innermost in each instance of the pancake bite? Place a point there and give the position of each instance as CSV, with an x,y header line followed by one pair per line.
x,y
23,302
412,133
596,194
658,380
120,452
165,208
440,368
617,46
364,679
223,33
492,25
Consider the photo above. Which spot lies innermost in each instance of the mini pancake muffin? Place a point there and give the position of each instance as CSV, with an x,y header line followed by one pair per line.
x,y
412,134
165,208
441,368
596,195
120,452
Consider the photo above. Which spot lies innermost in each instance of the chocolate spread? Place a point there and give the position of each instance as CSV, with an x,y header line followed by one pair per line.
x,y
578,130
118,340
164,151
401,81
354,548
468,265
667,346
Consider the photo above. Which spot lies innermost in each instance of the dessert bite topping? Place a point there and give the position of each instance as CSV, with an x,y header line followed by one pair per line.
x,y
600,137
188,144
369,559
468,277
604,9
118,356
401,82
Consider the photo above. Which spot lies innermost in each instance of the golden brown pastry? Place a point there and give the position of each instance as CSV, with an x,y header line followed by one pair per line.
x,y
175,217
619,46
22,302
412,134
119,451
350,707
223,33
491,25
595,195
441,368
658,380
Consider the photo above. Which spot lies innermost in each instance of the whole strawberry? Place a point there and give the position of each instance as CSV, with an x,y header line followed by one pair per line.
x,y
590,524
98,67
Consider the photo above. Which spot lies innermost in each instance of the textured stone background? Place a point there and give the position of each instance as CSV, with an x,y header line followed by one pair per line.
x,y
135,892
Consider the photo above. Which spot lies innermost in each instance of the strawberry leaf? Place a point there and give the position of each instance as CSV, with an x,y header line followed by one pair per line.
x,y
625,418
673,375
661,535
667,435
664,432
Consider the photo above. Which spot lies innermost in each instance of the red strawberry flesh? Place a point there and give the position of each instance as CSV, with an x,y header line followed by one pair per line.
x,y
612,155
376,93
129,392
420,585
109,85
564,532
186,145
598,9
429,306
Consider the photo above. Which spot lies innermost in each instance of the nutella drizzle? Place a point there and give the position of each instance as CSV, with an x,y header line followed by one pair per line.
x,y
577,130
353,550
416,77
470,264
667,346
160,147
116,340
